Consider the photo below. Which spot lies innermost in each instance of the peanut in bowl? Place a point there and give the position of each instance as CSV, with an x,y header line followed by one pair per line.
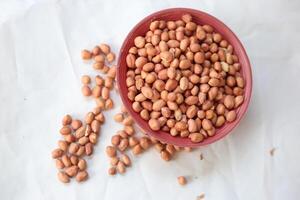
x,y
184,77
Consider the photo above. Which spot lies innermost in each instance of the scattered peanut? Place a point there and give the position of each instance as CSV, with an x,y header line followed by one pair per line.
x,y
181,180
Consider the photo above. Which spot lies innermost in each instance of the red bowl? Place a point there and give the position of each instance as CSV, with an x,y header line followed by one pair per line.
x,y
199,17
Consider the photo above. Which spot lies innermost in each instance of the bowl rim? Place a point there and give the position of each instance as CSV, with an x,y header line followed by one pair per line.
x,y
226,128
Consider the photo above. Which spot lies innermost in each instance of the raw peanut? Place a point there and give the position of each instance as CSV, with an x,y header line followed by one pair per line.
x,y
63,145
65,130
86,54
70,138
220,109
184,133
66,161
141,61
129,130
108,82
173,43
59,164
88,130
123,134
171,85
196,137
83,140
123,144
181,180
165,155
214,82
118,117
95,125
105,48
185,64
211,132
183,83
154,124
100,59
126,160
56,153
199,57
139,42
80,132
109,104
71,171
229,101
170,149
63,177
98,65
100,117
220,121
110,57
180,126
81,176
137,149
147,92
112,171
96,91
191,100
159,147
192,126
166,56
114,161
136,106
85,79
130,60
96,51
81,164
115,140
230,81
73,148
105,93
67,120
76,124
172,105
194,79
209,114
112,72
145,143
133,141
74,160
121,168
212,93
111,151
89,117
171,72
88,149
231,116
145,114
191,111
86,91
206,124
157,105
80,151
238,100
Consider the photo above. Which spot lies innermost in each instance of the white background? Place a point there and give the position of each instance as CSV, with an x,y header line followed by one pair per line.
x,y
40,44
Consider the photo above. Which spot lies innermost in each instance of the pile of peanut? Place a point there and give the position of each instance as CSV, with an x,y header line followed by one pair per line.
x,y
80,137
184,79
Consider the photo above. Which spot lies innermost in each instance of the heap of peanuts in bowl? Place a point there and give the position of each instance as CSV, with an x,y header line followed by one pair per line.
x,y
184,79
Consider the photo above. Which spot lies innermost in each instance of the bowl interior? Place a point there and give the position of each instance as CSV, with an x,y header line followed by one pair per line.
x,y
200,18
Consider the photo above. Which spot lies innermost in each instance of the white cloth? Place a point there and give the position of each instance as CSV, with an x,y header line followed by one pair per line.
x,y
40,82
